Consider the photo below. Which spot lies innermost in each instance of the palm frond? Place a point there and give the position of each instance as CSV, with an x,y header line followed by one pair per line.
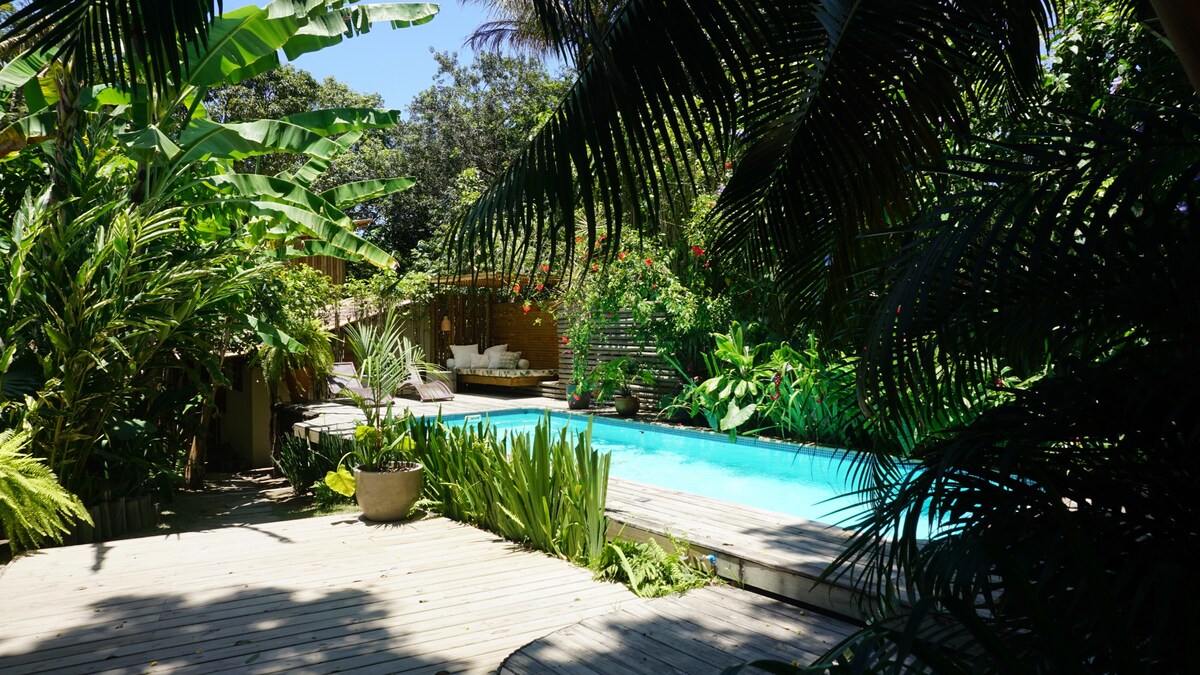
x,y
126,41
33,506
823,108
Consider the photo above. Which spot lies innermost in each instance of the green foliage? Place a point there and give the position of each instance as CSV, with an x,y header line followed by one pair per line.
x,y
33,506
616,376
291,301
542,489
664,291
649,570
326,497
808,395
105,296
303,463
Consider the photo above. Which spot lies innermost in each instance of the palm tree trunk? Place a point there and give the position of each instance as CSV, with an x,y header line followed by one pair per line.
x,y
1181,21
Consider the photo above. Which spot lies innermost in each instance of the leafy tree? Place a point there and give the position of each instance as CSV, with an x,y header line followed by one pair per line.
x,y
459,135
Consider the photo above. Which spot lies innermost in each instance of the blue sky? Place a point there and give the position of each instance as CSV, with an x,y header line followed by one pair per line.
x,y
394,63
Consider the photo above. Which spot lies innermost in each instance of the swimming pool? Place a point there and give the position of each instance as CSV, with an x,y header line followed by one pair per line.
x,y
798,480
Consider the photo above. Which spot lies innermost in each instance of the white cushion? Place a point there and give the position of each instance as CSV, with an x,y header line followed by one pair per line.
x,y
463,354
450,363
523,364
496,349
480,360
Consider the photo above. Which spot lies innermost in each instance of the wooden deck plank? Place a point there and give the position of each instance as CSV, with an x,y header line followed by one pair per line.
x,y
308,594
712,628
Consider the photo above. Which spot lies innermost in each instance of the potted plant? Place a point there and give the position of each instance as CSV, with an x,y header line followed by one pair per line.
x,y
614,379
383,481
579,392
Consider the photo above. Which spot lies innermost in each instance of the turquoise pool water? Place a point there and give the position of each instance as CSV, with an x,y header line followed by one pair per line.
x,y
801,481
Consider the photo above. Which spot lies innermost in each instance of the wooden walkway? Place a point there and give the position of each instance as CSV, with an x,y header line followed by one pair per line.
x,y
313,595
705,631
772,551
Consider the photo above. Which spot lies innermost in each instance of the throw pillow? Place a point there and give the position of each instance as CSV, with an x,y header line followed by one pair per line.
x,y
479,360
508,360
464,354
493,354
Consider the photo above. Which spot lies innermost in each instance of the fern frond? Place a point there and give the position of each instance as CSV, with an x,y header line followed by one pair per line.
x,y
33,506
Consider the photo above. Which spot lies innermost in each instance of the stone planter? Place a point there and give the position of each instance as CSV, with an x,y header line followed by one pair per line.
x,y
385,496
627,406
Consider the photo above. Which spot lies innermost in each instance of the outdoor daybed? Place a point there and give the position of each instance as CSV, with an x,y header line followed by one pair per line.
x,y
506,377
496,367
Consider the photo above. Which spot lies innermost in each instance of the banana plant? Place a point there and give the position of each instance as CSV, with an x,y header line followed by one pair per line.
x,y
173,148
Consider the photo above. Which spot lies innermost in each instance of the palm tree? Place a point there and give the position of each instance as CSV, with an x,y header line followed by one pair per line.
x,y
569,32
1063,249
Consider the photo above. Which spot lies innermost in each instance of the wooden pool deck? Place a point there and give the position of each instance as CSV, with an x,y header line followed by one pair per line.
x,y
775,552
312,595
338,594
704,631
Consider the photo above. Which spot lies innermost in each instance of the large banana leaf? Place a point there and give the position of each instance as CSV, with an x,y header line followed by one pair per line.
x,y
27,131
346,196
204,139
339,242
314,167
246,42
340,120
327,29
19,71
281,190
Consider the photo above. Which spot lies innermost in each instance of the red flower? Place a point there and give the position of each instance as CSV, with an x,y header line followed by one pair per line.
x,y
818,400
564,339
516,288
578,240
595,268
728,165
525,308
540,287
603,237
649,261
698,251
622,254
705,264
576,396
545,268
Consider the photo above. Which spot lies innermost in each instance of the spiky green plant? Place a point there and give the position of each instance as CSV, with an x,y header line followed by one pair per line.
x,y
33,506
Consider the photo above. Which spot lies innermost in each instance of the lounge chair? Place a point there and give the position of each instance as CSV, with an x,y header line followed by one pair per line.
x,y
343,381
428,391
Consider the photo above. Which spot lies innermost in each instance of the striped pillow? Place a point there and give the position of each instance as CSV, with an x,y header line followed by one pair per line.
x,y
508,360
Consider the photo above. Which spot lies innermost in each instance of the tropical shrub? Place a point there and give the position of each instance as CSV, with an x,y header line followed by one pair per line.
x,y
542,489
304,464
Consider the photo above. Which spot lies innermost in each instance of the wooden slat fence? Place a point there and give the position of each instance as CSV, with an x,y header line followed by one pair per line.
x,y
612,341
